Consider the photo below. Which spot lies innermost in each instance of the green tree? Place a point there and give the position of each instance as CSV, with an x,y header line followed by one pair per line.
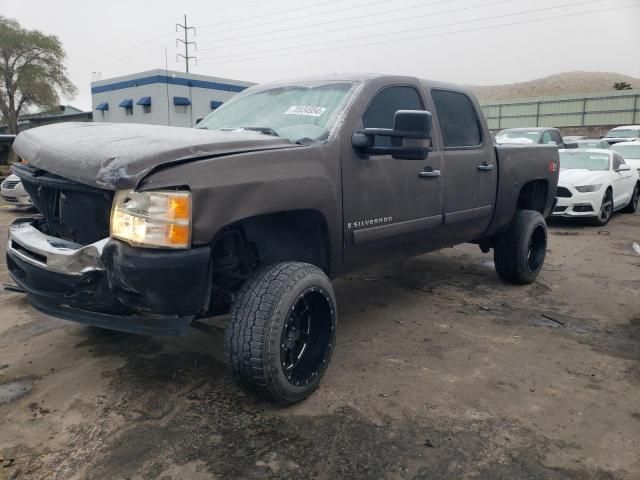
x,y
32,72
621,86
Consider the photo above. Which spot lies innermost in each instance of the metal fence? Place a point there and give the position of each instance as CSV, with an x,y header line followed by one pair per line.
x,y
609,108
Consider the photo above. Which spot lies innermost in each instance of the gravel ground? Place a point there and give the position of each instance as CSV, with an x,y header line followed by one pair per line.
x,y
440,371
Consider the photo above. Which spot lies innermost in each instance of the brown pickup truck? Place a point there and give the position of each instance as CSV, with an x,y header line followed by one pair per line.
x,y
145,228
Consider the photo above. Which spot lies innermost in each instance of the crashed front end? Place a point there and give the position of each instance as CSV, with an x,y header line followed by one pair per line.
x,y
70,265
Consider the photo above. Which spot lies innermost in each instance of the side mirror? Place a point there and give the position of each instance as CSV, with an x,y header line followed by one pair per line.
x,y
623,168
198,120
410,136
571,145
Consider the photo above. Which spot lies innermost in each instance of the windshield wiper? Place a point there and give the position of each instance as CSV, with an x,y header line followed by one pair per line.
x,y
265,130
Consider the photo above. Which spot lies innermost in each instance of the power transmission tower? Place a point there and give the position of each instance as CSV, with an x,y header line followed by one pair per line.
x,y
186,43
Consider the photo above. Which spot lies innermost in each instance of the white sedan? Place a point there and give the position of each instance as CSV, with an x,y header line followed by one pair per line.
x,y
12,191
594,183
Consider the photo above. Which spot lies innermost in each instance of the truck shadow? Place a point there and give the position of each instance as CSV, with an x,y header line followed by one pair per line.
x,y
199,356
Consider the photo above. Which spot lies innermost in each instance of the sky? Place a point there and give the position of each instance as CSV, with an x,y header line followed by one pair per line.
x,y
473,42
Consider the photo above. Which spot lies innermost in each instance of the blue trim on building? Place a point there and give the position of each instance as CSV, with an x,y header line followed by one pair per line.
x,y
181,101
227,87
146,101
127,103
215,104
103,106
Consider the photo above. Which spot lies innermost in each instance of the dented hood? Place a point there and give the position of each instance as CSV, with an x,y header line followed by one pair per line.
x,y
115,156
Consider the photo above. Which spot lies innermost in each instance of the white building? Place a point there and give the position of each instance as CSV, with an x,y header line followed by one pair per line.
x,y
161,97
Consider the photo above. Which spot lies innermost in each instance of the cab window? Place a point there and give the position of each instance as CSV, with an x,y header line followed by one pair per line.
x,y
381,111
458,119
546,137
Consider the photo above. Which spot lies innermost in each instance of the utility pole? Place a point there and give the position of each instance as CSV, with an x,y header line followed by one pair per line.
x,y
186,43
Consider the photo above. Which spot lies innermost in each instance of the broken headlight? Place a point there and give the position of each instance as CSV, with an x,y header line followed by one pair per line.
x,y
589,188
160,219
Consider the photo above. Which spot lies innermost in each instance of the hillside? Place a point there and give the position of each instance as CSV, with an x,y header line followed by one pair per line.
x,y
569,83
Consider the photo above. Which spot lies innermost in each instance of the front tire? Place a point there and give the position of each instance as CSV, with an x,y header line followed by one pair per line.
x,y
606,210
281,333
632,206
520,251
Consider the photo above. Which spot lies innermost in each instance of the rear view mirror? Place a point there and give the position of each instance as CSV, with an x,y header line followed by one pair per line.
x,y
410,136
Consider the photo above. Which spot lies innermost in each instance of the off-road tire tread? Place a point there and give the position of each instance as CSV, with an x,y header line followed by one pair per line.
x,y
510,247
246,335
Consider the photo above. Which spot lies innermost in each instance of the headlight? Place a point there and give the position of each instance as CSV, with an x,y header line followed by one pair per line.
x,y
153,219
589,188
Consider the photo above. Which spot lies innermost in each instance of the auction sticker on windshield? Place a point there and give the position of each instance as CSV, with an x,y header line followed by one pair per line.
x,y
305,110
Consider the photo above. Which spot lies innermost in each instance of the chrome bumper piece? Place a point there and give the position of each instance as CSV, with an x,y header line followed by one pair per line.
x,y
53,254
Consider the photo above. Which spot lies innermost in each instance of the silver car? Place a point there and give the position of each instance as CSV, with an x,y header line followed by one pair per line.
x,y
12,191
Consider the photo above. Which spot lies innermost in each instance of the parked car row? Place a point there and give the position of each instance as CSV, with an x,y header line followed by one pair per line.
x,y
598,176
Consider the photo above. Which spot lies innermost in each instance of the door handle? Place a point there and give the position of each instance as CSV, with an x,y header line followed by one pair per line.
x,y
485,167
429,172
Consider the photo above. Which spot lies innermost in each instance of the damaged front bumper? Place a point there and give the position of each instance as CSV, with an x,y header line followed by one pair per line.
x,y
110,284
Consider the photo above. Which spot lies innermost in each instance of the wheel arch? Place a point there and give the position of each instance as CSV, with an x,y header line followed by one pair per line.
x,y
290,235
533,196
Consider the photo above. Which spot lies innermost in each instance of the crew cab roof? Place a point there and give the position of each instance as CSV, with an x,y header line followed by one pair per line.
x,y
365,77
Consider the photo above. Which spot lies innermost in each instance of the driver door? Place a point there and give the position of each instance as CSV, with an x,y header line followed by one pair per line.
x,y
389,210
623,183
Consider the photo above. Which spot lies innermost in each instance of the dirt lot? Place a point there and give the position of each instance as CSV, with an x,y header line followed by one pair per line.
x,y
441,371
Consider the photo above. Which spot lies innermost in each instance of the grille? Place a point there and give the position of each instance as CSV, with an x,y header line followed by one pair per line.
x,y
10,184
10,199
71,211
563,192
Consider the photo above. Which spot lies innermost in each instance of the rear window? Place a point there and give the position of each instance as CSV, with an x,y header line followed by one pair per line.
x,y
627,151
458,119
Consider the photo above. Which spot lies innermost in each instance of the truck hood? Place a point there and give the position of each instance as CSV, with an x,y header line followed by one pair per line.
x,y
116,156
578,177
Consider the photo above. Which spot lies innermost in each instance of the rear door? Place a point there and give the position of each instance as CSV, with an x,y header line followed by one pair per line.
x,y
469,169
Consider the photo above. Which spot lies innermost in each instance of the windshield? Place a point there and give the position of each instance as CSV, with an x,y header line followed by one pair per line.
x,y
584,160
301,113
517,136
626,133
627,151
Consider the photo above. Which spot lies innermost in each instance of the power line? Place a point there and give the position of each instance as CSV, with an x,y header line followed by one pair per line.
x,y
186,43
141,42
422,27
286,10
328,22
383,22
415,37
225,7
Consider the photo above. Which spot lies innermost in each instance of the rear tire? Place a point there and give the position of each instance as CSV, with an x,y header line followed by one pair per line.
x,y
520,251
281,333
632,206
